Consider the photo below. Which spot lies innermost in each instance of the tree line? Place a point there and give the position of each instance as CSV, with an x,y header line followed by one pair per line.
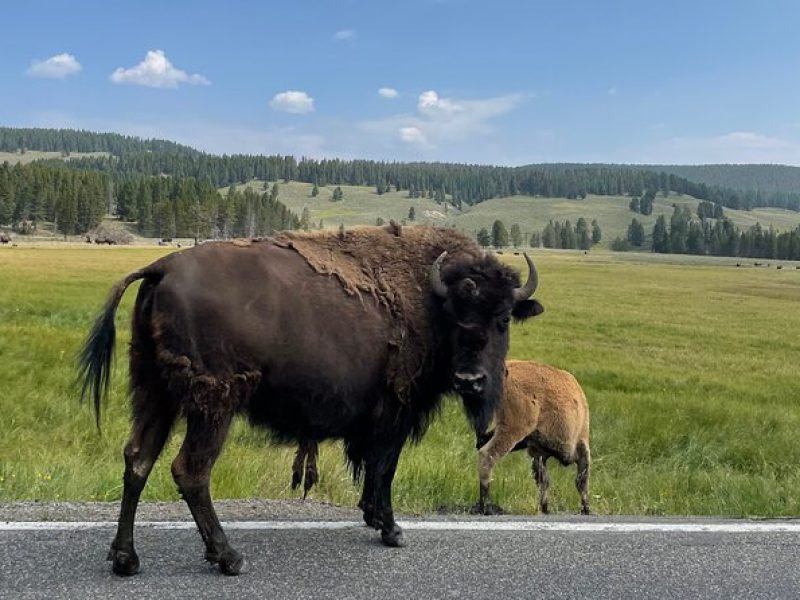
x,y
554,235
464,184
683,234
73,201
166,207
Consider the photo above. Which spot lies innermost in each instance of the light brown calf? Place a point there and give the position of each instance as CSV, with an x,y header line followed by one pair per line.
x,y
545,411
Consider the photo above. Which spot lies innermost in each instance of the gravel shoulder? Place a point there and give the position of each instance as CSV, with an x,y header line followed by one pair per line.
x,y
228,510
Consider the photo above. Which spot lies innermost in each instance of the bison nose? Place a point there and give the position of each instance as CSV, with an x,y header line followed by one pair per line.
x,y
469,383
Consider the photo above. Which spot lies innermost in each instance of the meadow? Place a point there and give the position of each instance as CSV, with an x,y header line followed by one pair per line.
x,y
362,205
690,367
33,155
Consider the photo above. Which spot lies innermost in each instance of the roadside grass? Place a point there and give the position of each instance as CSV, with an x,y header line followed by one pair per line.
x,y
690,370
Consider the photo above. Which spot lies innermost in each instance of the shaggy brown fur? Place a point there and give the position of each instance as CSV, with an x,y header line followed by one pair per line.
x,y
544,410
368,262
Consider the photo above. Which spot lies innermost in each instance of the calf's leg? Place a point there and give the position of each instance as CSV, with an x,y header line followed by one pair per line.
x,y
488,455
542,480
584,460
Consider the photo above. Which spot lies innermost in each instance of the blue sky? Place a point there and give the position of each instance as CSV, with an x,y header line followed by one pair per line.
x,y
485,82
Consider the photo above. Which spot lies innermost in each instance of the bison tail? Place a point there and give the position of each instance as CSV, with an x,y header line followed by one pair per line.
x,y
97,353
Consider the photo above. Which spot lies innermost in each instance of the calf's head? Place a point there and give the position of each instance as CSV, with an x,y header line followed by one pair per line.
x,y
478,300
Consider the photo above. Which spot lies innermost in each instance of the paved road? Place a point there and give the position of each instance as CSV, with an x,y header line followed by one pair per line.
x,y
445,558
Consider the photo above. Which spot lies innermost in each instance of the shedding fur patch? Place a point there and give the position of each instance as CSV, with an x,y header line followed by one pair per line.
x,y
391,266
213,395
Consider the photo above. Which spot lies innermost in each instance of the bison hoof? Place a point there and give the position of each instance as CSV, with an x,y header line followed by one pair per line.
x,y
544,508
393,537
231,562
585,511
368,513
125,563
487,509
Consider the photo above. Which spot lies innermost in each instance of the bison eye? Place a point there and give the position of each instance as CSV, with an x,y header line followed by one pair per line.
x,y
503,323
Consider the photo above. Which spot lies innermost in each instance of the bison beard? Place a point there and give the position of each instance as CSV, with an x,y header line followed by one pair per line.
x,y
313,336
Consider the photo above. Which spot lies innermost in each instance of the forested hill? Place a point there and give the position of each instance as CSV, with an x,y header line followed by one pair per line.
x,y
14,139
464,184
766,178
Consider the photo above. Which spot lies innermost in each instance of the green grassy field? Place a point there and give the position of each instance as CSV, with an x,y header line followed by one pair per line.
x,y
361,206
690,370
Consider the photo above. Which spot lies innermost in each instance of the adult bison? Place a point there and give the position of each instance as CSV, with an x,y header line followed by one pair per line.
x,y
353,335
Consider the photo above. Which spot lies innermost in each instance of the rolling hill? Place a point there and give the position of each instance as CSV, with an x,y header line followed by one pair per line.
x,y
362,206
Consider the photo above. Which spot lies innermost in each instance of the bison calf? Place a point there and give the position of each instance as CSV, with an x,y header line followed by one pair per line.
x,y
543,410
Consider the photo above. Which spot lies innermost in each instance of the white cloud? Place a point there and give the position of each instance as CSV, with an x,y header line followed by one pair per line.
x,y
413,135
432,105
440,124
156,71
294,102
387,92
345,35
737,147
56,67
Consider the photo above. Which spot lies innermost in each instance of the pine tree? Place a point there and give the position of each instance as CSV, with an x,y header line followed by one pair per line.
x,y
483,238
660,235
305,219
515,236
315,191
499,234
597,234
635,234
568,239
549,237
337,194
412,214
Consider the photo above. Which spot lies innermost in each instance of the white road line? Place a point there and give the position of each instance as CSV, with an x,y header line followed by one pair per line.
x,y
564,526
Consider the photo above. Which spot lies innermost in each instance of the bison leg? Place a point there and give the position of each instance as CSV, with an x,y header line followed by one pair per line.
x,y
380,464
367,502
391,532
191,470
304,467
151,426
297,465
542,480
582,479
488,455
311,476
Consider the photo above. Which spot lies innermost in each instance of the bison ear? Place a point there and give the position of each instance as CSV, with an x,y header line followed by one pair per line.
x,y
526,309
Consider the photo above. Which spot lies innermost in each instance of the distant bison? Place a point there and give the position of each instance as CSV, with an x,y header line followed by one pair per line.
x,y
4,238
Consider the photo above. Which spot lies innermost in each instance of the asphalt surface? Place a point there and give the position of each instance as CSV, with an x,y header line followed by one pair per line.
x,y
346,560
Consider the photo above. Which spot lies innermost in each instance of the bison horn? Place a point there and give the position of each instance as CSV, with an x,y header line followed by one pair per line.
x,y
439,288
526,291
